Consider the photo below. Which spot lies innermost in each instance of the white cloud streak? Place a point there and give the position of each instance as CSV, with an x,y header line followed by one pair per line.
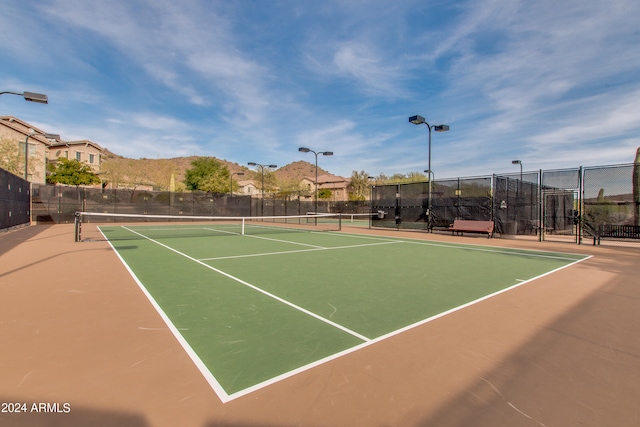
x,y
551,83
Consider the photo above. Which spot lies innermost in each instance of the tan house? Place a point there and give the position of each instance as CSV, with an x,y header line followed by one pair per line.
x,y
248,187
338,186
84,151
14,133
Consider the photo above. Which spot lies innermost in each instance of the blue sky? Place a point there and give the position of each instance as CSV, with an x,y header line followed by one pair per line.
x,y
554,84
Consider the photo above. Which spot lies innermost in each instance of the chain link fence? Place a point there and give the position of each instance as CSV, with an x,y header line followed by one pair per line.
x,y
59,203
578,205
591,204
611,203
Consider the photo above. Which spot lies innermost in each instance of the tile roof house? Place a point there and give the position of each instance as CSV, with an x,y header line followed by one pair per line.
x,y
248,187
84,151
338,186
41,150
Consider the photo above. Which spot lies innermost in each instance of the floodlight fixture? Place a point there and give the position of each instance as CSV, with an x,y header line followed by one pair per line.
x,y
418,120
262,171
36,97
30,96
518,162
324,153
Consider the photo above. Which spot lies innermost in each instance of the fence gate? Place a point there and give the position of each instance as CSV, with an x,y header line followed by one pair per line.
x,y
561,205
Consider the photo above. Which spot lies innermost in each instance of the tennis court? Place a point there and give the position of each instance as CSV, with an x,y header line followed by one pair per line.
x,y
254,304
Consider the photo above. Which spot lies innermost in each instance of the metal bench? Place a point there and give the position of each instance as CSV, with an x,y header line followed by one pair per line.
x,y
460,226
616,232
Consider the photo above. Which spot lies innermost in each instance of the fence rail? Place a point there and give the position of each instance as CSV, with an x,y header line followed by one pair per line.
x,y
564,204
59,203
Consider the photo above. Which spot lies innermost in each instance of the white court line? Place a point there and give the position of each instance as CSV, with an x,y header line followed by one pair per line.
x,y
298,251
277,298
284,241
217,230
468,247
206,373
390,334
501,251
224,397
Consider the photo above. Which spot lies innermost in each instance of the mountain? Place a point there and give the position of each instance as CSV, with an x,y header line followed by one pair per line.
x,y
157,172
297,170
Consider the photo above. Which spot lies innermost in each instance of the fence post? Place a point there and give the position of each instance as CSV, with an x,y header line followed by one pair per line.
x,y
541,225
580,204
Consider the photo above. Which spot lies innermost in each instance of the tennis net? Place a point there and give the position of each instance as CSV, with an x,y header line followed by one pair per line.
x,y
86,224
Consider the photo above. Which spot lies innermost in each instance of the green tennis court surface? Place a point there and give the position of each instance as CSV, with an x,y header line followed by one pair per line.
x,y
252,309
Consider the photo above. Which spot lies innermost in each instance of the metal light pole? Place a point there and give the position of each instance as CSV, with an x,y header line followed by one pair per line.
x,y
262,170
324,153
30,96
231,181
418,120
517,162
26,148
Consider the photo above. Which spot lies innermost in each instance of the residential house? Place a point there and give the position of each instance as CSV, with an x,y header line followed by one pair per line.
x,y
41,150
84,151
338,186
248,188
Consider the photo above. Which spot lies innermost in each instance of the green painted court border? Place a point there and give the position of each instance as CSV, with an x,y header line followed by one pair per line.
x,y
225,397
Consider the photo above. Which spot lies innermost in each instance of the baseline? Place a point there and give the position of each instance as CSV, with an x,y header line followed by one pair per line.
x,y
491,249
394,333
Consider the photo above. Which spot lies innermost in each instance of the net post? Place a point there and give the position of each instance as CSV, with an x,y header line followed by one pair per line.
x,y
243,226
339,222
77,227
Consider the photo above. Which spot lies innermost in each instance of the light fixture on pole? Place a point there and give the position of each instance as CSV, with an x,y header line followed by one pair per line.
x,y
324,153
262,171
418,120
30,96
26,148
517,162
231,181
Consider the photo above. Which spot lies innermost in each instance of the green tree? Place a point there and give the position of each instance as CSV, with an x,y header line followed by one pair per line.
x,y
290,189
324,193
207,174
12,157
270,179
71,172
399,178
417,177
360,185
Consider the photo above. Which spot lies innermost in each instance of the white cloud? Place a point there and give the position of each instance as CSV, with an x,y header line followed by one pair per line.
x,y
542,81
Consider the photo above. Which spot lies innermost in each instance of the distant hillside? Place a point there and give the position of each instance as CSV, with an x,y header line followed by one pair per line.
x,y
298,170
157,172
